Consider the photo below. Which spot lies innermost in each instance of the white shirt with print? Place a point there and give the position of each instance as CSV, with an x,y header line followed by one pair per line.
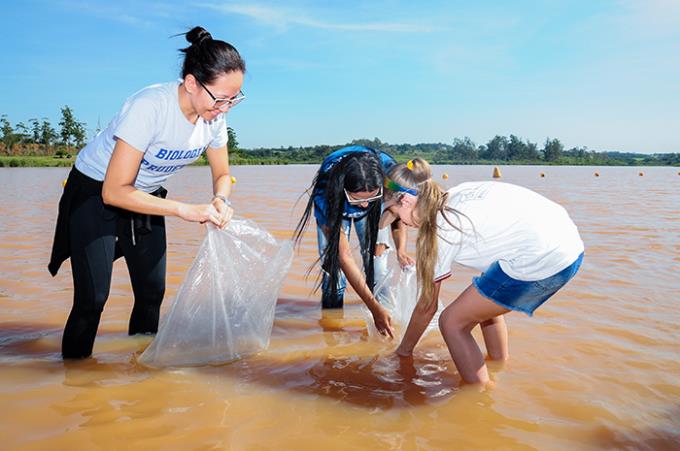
x,y
531,237
151,121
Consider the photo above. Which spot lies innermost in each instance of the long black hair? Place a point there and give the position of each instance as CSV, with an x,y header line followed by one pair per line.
x,y
356,172
207,58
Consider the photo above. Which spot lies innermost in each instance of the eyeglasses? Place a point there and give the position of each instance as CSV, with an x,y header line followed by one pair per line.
x,y
352,201
223,104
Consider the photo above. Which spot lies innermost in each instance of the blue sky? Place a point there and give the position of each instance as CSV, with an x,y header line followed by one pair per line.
x,y
597,73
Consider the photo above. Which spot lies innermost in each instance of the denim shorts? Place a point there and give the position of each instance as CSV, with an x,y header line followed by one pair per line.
x,y
520,295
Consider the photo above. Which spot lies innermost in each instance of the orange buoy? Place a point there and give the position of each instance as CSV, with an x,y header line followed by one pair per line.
x,y
641,174
445,176
597,174
542,174
496,172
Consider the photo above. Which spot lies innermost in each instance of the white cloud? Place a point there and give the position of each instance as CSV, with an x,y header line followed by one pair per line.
x,y
109,12
658,16
283,18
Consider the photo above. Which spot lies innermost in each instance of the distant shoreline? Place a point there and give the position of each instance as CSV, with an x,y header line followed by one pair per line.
x,y
54,161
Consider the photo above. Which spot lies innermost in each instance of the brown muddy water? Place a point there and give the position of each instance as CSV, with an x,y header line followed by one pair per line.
x,y
598,366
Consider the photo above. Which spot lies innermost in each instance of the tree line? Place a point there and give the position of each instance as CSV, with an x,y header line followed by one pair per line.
x,y
39,137
498,150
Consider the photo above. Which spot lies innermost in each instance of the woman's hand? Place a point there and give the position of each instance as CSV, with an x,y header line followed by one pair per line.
x,y
200,213
225,212
383,321
405,259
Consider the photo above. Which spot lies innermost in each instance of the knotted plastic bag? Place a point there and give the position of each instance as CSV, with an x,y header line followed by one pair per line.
x,y
224,309
397,291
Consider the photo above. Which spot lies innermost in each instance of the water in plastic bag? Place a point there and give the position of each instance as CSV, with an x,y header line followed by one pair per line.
x,y
397,290
224,308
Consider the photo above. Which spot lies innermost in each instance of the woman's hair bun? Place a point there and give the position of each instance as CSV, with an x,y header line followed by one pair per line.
x,y
197,35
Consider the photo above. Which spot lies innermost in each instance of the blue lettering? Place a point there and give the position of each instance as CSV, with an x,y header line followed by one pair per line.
x,y
163,169
161,154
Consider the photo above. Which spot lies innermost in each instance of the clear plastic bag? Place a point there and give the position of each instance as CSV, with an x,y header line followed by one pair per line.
x,y
397,291
224,308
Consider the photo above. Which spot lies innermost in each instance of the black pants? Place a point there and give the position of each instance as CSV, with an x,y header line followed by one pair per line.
x,y
98,235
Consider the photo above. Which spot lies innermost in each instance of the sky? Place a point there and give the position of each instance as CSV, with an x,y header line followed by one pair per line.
x,y
604,74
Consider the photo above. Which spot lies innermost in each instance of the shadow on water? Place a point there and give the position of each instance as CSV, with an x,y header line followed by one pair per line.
x,y
649,438
41,340
313,353
337,360
27,339
381,381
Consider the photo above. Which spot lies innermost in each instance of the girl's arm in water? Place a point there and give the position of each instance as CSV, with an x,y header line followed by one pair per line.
x,y
420,319
383,321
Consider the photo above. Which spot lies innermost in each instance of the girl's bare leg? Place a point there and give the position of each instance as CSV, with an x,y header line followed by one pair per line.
x,y
495,334
456,323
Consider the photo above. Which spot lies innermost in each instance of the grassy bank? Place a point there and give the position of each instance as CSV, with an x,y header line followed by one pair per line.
x,y
35,162
60,162
67,161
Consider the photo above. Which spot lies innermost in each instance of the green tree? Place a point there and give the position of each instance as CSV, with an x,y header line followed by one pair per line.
x,y
520,150
321,151
516,149
22,133
79,134
532,151
71,129
232,142
47,133
9,138
496,149
552,150
35,130
463,149
375,143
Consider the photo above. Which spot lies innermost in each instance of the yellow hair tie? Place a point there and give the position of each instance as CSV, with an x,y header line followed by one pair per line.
x,y
409,165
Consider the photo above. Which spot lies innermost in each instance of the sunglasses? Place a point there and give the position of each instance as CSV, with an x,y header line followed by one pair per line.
x,y
352,201
223,104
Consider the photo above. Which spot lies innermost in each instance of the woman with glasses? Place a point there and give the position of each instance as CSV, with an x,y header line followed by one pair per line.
x,y
114,203
347,190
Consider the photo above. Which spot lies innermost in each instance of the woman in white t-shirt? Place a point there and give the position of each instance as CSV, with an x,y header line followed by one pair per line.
x,y
114,203
525,246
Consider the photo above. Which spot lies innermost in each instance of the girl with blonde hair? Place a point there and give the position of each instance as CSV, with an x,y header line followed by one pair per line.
x,y
525,246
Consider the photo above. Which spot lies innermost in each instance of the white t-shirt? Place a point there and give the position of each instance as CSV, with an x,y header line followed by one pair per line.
x,y
151,121
531,237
